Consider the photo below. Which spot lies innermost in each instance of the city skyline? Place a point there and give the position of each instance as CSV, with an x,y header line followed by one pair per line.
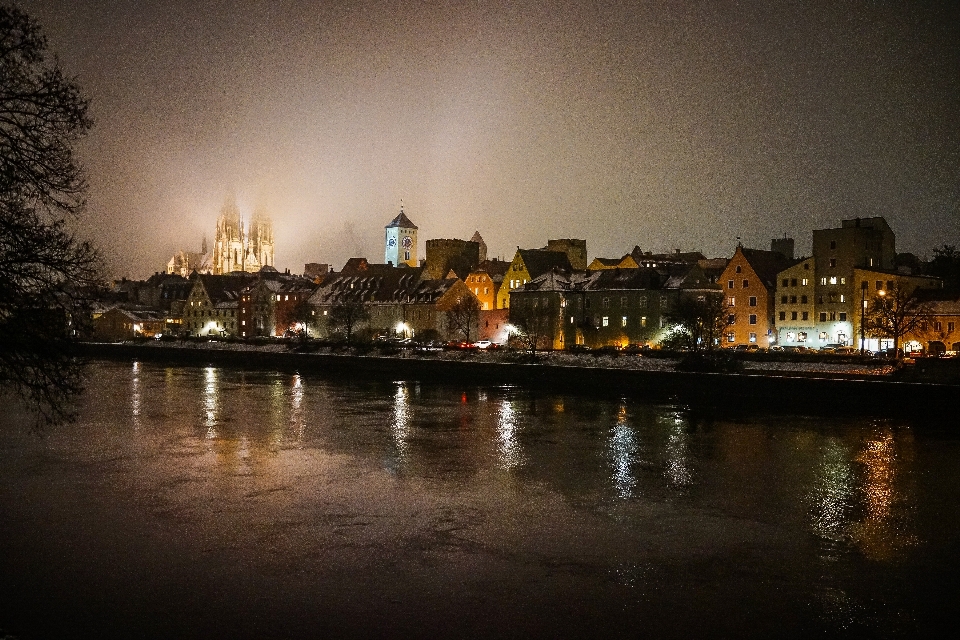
x,y
665,127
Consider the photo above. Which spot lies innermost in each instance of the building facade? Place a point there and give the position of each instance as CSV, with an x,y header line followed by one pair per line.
x,y
749,283
400,241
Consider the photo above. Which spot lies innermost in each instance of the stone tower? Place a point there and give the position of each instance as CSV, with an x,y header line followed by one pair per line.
x,y
228,246
260,240
400,241
483,245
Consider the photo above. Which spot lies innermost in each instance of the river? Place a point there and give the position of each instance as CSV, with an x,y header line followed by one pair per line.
x,y
219,503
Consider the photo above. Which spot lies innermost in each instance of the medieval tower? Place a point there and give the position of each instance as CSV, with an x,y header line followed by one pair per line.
x,y
400,241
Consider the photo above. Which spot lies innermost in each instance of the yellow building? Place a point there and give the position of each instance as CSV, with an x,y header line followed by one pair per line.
x,y
526,265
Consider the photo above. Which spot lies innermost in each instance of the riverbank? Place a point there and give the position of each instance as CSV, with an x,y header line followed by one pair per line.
x,y
761,386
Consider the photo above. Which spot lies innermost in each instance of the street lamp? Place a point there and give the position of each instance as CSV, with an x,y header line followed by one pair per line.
x,y
863,309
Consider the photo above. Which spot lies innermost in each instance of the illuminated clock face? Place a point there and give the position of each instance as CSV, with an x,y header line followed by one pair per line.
x,y
392,242
407,242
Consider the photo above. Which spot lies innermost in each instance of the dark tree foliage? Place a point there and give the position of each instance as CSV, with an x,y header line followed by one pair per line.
x,y
463,317
946,265
45,270
700,321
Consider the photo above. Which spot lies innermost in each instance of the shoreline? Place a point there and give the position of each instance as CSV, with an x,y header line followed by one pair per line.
x,y
751,390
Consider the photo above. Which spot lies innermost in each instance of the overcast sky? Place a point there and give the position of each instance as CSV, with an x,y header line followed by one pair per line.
x,y
664,124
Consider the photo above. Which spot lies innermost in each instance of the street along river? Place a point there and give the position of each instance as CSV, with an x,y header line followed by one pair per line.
x,y
191,502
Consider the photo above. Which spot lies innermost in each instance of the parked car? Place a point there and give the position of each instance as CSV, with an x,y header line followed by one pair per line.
x,y
831,347
847,351
486,344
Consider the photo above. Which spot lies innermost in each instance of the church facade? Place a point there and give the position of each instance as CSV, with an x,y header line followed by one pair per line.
x,y
234,248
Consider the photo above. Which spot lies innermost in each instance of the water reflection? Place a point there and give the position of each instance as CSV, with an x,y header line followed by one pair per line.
x,y
832,492
622,450
297,422
677,457
400,425
211,400
135,398
510,454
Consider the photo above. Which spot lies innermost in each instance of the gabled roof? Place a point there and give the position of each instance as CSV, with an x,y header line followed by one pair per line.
x,y
767,264
224,287
496,269
538,261
401,221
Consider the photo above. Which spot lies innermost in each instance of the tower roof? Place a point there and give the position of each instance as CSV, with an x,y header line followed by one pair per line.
x,y
401,221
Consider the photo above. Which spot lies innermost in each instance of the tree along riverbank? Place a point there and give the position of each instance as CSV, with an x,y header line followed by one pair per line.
x,y
751,390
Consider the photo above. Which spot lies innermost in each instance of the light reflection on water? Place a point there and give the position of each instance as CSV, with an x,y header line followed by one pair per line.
x,y
808,507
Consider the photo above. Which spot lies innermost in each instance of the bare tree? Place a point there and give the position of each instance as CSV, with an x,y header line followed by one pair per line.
x,y
463,316
700,320
345,317
536,322
46,272
895,313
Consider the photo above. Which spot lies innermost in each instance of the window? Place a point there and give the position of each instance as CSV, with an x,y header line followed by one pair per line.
x,y
823,316
843,316
730,337
623,321
623,302
793,299
806,315
606,303
746,283
729,285
805,281
783,315
842,298
643,321
833,316
738,269
833,244
793,315
801,336
803,299
753,337
823,281
785,282
642,302
571,319
731,301
793,282
753,318
843,280
833,279
731,319
950,327
753,301
833,262
879,285
606,321
783,299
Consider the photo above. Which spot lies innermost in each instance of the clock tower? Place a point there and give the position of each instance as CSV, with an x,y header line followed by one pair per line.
x,y
400,242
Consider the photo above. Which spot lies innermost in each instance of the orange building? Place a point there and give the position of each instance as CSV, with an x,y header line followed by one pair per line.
x,y
485,281
749,284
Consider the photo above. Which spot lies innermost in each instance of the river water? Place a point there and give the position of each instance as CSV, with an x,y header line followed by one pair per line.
x,y
219,503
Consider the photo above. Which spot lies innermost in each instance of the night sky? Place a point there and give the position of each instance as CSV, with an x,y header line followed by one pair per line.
x,y
668,125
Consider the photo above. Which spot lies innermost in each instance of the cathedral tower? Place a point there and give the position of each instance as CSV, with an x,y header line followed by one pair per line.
x,y
401,241
228,246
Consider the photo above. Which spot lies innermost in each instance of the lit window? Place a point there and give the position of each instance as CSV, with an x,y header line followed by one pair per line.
x,y
732,302
753,337
805,281
606,321
833,279
950,326
730,337
643,321
802,336
841,297
623,321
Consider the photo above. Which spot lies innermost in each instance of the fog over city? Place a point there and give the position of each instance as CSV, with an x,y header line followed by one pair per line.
x,y
671,125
